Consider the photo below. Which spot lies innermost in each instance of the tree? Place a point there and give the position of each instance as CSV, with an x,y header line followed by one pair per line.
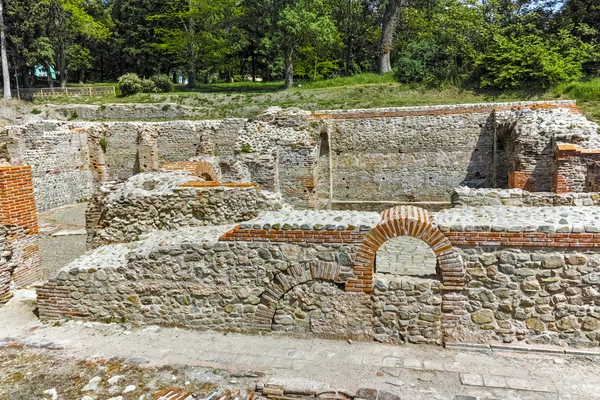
x,y
194,32
298,24
390,17
3,55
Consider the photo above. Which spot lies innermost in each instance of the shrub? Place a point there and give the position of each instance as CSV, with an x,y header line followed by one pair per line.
x,y
531,60
130,84
163,83
148,86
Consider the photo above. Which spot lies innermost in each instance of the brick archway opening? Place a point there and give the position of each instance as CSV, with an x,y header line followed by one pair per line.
x,y
416,222
406,221
201,169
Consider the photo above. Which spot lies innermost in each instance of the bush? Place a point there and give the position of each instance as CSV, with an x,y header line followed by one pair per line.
x,y
130,84
531,60
148,86
163,83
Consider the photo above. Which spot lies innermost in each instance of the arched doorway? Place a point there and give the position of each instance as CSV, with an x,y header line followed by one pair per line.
x,y
406,292
416,223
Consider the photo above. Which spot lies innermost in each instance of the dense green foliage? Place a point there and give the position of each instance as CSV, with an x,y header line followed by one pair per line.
x,y
485,44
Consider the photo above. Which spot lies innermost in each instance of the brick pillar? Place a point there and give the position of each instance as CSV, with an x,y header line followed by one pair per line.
x,y
19,215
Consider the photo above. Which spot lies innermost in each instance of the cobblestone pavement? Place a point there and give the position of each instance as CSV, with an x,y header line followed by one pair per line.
x,y
411,372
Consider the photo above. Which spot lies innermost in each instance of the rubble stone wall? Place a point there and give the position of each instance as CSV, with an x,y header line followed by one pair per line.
x,y
6,267
120,213
369,157
307,272
465,196
205,285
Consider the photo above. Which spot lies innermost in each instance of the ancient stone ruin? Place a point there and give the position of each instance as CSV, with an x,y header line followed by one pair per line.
x,y
447,224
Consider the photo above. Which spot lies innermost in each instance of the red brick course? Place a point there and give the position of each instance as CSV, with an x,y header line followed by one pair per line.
x,y
19,215
197,168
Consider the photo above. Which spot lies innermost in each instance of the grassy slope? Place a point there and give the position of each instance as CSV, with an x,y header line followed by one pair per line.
x,y
247,99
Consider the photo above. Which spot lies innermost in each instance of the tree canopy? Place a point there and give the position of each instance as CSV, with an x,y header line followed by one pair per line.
x,y
476,43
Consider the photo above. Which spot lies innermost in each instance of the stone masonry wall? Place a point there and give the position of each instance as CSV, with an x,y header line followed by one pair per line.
x,y
411,154
59,160
186,278
6,267
506,275
465,196
120,213
539,296
407,309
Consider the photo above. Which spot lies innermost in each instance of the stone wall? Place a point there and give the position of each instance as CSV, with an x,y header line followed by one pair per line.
x,y
407,309
59,158
464,196
537,296
6,267
120,213
187,278
505,275
358,159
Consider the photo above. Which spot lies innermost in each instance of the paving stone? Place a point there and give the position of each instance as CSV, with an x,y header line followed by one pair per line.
x,y
494,381
471,379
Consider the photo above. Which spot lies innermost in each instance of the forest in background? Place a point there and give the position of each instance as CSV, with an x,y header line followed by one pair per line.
x,y
487,44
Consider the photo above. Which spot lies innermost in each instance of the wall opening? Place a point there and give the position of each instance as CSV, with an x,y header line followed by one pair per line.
x,y
406,256
323,173
206,176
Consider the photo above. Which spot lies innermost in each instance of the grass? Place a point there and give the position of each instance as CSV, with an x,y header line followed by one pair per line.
x,y
247,99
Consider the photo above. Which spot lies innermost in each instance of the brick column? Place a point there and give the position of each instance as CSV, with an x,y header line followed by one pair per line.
x,y
19,215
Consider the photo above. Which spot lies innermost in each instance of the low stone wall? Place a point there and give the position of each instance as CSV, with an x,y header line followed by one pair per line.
x,y
122,212
464,196
407,309
187,278
310,272
534,295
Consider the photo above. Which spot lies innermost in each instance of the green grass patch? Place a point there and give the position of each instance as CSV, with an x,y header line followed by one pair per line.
x,y
583,91
360,79
247,99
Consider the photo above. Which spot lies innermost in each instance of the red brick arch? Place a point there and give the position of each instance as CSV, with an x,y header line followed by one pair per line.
x,y
287,280
197,168
406,221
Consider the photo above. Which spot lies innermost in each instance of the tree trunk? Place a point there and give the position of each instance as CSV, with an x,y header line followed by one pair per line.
x,y
253,65
192,74
390,16
5,70
289,68
49,77
25,77
63,67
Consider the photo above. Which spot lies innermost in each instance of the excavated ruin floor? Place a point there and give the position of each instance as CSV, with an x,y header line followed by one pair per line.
x,y
62,237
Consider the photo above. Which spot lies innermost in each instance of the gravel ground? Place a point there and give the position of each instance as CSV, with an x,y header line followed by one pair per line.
x,y
42,374
57,251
